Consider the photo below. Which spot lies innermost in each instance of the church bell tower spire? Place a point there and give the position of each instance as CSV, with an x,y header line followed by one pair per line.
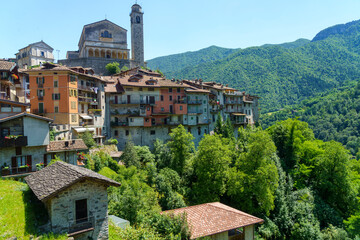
x,y
137,35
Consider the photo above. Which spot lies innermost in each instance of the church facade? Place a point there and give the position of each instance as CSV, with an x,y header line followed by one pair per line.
x,y
105,42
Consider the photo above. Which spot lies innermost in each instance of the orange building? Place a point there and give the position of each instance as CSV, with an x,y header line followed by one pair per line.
x,y
59,92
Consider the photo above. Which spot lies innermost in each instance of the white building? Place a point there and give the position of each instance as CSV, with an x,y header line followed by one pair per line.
x,y
34,54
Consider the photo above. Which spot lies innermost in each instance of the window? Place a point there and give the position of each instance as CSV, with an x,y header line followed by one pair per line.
x,y
204,109
129,89
81,212
40,80
56,96
152,132
56,109
73,79
199,130
127,132
56,83
170,98
73,118
73,105
150,89
116,133
147,120
162,109
178,89
161,98
181,108
131,120
18,151
20,161
42,54
140,89
170,89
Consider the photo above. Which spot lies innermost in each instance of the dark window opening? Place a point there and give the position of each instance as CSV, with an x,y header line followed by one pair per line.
x,y
81,211
127,132
152,132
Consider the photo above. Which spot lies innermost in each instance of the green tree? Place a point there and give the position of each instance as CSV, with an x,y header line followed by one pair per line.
x,y
88,139
211,165
124,68
254,178
181,147
332,178
134,198
219,124
112,68
162,154
130,157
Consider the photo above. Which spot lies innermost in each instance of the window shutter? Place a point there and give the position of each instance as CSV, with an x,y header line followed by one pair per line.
x,y
29,162
53,97
59,96
13,162
37,80
43,79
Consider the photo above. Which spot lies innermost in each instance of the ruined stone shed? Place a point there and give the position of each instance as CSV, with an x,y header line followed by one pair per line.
x,y
75,198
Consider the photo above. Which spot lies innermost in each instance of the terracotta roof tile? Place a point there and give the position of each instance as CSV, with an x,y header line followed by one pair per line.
x,y
66,145
212,218
59,176
6,65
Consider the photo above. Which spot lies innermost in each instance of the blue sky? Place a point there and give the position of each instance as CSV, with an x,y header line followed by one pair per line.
x,y
172,26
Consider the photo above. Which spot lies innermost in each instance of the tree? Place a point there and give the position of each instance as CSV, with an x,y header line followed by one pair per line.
x,y
87,137
181,147
124,68
130,157
112,68
162,154
219,124
332,178
134,198
254,178
211,165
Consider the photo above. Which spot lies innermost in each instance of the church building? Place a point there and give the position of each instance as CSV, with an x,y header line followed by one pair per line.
x,y
105,42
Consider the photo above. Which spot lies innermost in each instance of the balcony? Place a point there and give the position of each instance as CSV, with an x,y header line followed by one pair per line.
x,y
195,111
119,124
17,171
20,141
126,112
39,111
86,88
232,102
79,226
96,112
194,102
87,99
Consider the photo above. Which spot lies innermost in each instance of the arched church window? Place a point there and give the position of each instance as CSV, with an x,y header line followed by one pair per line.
x,y
106,34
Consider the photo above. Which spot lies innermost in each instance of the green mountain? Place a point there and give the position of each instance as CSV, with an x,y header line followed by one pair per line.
x,y
283,74
178,61
334,115
298,43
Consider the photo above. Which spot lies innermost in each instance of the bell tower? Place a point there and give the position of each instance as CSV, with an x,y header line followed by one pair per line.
x,y
137,36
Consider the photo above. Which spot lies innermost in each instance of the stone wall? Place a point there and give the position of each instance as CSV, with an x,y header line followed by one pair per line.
x,y
98,64
61,208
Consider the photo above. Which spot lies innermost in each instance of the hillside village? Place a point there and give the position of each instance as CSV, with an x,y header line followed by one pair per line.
x,y
49,110
100,146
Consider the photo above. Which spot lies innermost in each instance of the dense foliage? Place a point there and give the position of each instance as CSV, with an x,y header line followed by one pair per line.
x,y
332,116
303,188
280,74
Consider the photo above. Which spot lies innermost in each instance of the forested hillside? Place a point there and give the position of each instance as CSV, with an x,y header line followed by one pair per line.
x,y
178,61
281,75
332,116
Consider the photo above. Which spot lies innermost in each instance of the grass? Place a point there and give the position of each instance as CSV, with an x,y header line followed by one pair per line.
x,y
21,213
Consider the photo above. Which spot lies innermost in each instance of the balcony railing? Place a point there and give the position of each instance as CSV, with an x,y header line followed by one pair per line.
x,y
13,171
119,124
86,88
38,111
20,141
195,111
81,225
194,102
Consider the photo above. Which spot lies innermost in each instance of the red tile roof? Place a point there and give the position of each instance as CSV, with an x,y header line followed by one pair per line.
x,y
212,218
66,145
6,65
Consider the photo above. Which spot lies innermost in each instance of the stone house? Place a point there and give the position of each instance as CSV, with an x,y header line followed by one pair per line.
x,y
25,142
34,54
76,199
218,221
